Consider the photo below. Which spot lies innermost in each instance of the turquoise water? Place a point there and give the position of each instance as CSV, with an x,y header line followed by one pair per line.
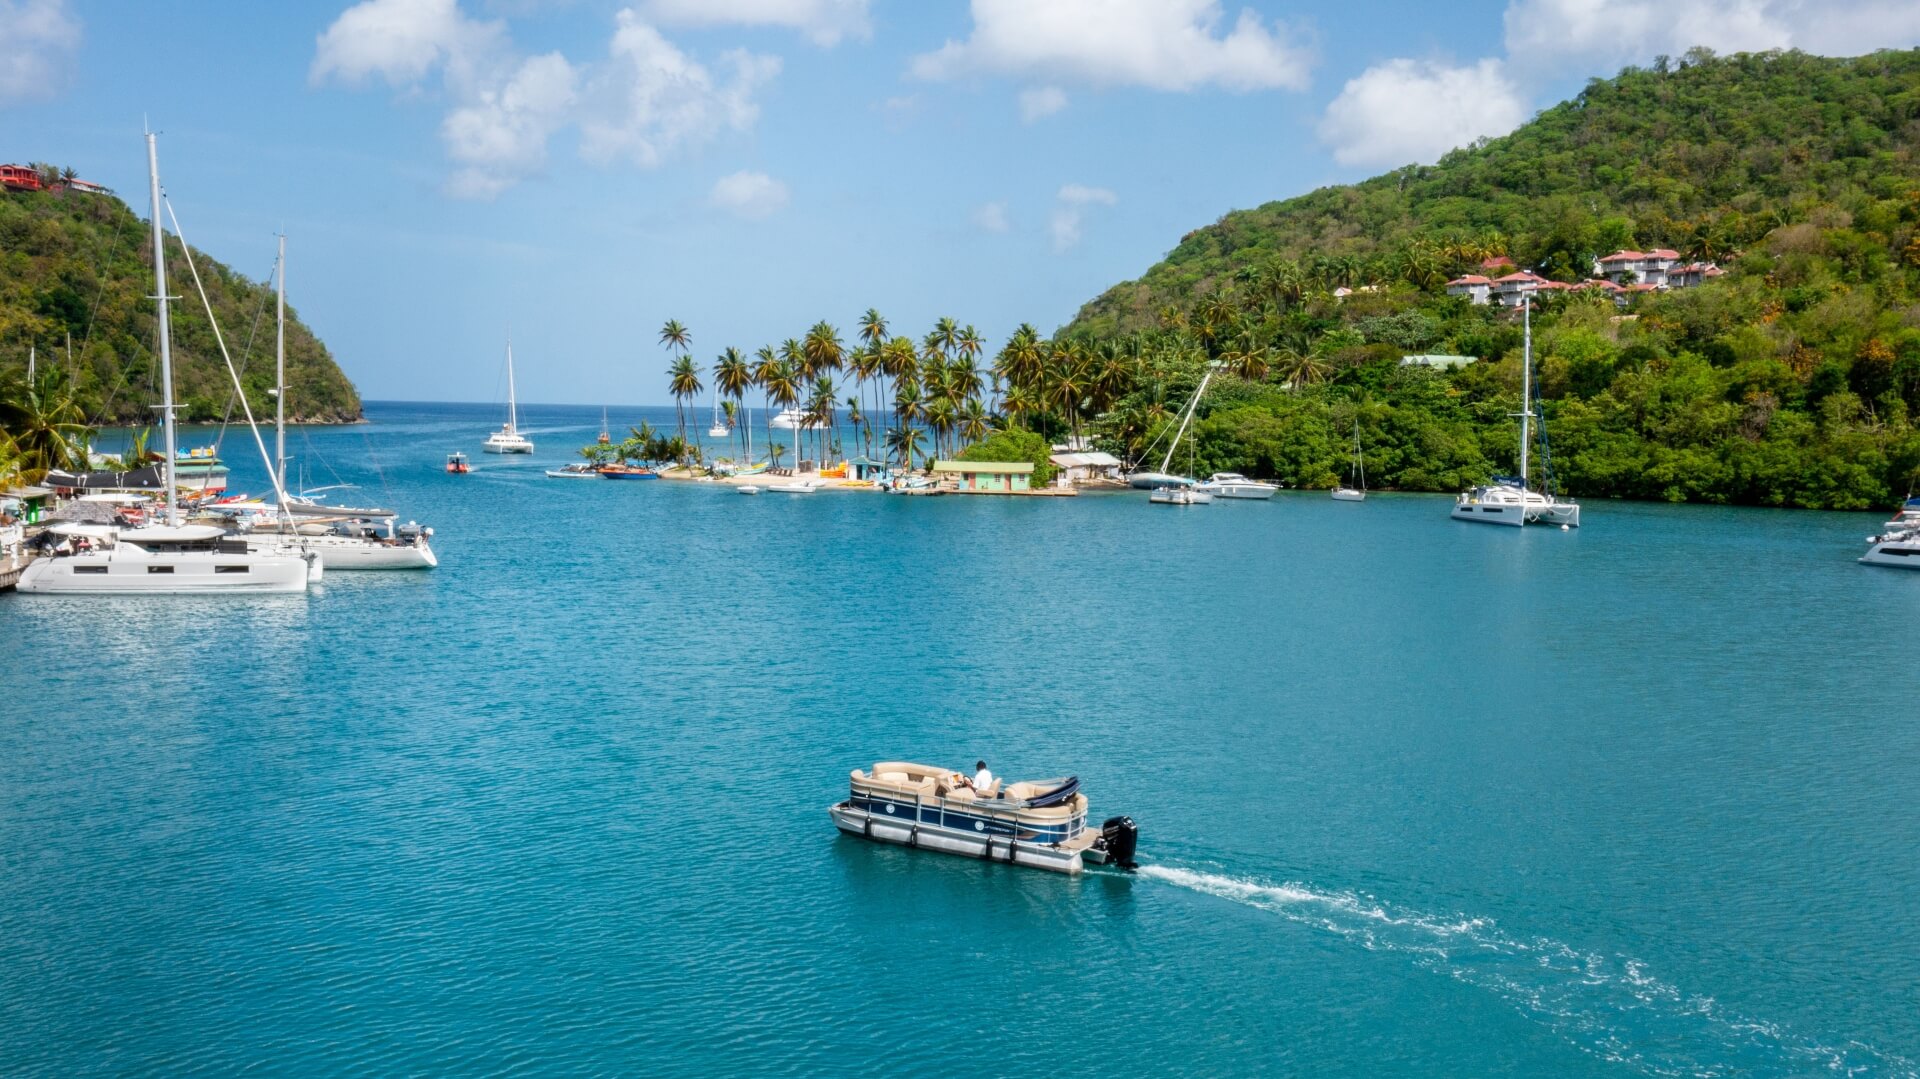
x,y
1415,796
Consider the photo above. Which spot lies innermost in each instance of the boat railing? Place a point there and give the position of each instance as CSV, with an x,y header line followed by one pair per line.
x,y
997,810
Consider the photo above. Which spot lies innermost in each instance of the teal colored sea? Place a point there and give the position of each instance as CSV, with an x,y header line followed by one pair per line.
x,y
1415,797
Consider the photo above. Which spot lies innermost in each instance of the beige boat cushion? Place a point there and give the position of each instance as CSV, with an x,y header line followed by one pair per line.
x,y
892,777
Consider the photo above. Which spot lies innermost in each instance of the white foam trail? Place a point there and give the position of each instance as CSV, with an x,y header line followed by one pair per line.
x,y
1610,1006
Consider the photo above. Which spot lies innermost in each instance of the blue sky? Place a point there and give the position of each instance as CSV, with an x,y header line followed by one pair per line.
x,y
585,170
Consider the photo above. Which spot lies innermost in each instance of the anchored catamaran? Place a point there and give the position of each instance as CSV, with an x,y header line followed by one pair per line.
x,y
1508,500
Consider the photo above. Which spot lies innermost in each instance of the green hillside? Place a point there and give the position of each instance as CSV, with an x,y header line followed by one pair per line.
x,y
79,267
1791,380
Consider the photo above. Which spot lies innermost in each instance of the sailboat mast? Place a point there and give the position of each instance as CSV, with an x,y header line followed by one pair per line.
x,y
160,315
1192,407
280,370
1526,390
513,415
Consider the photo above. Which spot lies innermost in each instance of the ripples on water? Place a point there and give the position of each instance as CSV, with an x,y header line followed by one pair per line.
x,y
560,806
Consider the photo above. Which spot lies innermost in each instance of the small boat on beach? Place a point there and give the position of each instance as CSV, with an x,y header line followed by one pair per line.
x,y
1038,823
457,464
625,472
748,489
798,487
579,470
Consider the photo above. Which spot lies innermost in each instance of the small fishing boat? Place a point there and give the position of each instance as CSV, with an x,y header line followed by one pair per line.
x,y
1234,485
625,472
579,470
1180,496
457,464
1038,823
799,487
749,489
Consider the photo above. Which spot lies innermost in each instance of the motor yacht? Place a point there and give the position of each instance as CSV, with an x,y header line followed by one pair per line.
x,y
1234,485
1038,823
791,419
579,470
1898,546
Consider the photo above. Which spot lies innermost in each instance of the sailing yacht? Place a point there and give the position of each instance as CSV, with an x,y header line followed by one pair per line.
x,y
719,428
1358,492
508,439
1189,493
1508,500
169,558
1156,481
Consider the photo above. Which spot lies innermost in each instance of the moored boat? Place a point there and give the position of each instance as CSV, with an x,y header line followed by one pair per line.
x,y
1234,485
1180,496
1040,823
625,472
579,470
457,464
1898,547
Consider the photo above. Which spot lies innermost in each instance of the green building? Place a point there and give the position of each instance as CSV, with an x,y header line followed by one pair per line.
x,y
987,477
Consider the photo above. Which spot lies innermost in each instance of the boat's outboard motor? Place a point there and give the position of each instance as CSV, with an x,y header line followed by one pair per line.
x,y
1119,836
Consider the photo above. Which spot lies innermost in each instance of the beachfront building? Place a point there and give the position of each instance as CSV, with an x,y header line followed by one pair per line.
x,y
1440,362
986,477
865,469
1091,466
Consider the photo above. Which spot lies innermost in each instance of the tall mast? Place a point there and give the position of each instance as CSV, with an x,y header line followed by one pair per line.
x,y
1192,407
513,416
1526,399
160,314
280,371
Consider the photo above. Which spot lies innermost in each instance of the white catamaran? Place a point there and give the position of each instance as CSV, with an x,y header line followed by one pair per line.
x,y
508,438
168,558
1508,500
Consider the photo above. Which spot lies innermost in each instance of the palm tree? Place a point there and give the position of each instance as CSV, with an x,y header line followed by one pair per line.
x,y
820,414
858,419
865,365
731,410
945,336
45,420
904,442
733,376
782,383
764,363
942,419
674,337
685,384
973,422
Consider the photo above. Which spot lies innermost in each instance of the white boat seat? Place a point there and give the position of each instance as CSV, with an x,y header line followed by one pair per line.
x,y
892,777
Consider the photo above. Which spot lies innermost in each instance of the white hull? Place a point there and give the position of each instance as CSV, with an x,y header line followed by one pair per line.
x,y
794,488
128,572
718,431
1900,552
925,836
1513,508
1168,496
1253,491
496,444
1148,481
350,553
791,420
1348,494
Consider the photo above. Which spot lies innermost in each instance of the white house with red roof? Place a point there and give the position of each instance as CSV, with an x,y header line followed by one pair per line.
x,y
1647,267
1473,285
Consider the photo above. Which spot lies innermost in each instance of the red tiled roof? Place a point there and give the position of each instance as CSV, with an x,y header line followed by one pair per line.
x,y
1663,253
1599,282
1624,256
1555,285
1522,275
1470,279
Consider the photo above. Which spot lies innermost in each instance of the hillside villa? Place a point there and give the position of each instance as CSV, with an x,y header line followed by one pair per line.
x,y
1623,274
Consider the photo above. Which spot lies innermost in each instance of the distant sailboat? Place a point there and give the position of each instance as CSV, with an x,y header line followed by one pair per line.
x,y
1508,500
508,439
719,428
1358,492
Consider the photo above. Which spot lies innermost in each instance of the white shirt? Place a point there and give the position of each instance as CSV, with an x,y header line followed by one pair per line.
x,y
982,780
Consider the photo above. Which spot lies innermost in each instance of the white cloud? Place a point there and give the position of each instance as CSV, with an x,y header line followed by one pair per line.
x,y
1074,199
37,37
402,41
651,99
1546,33
825,22
1406,111
992,217
1041,101
504,132
645,103
1159,44
749,195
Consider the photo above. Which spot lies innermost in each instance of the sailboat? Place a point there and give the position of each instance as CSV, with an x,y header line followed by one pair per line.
x,y
345,538
719,428
1153,481
1508,500
1358,492
508,439
1189,494
169,558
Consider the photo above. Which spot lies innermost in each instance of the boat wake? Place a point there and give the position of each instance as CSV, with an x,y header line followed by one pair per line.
x,y
1610,1006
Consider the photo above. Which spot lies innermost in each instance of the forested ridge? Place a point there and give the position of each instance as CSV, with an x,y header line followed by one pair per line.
x,y
76,271
1794,379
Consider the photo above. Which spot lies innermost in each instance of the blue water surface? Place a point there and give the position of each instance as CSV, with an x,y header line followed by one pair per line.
x,y
1416,796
